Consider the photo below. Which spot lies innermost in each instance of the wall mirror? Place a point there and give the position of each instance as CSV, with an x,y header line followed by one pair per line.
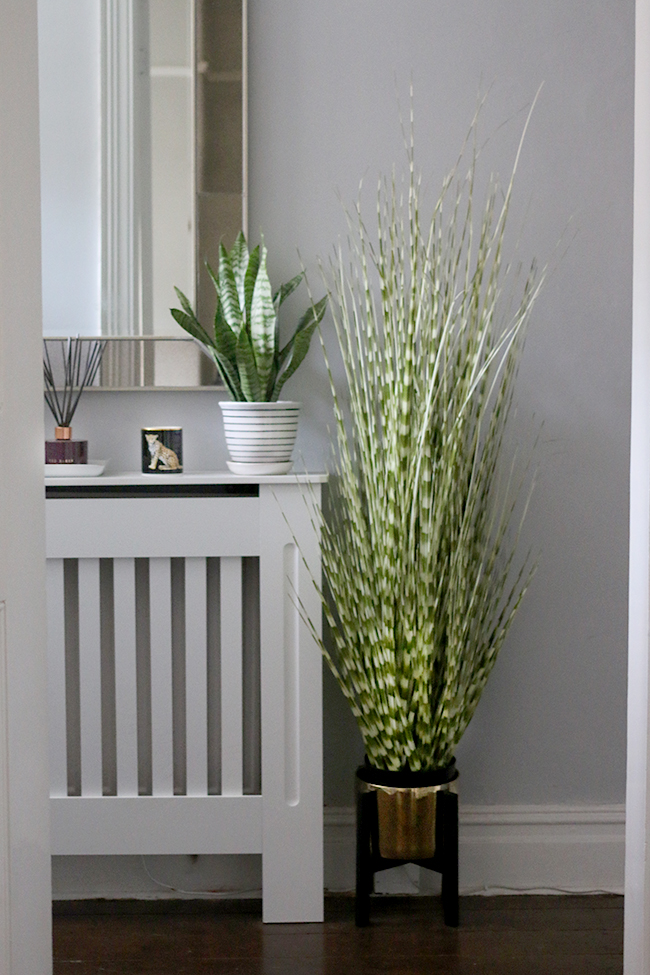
x,y
143,172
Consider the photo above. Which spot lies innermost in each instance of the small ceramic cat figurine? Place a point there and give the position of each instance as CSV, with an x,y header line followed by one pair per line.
x,y
160,454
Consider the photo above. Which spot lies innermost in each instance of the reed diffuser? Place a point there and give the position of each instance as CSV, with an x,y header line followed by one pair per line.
x,y
66,377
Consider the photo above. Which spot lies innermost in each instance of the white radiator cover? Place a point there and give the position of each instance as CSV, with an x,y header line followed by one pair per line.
x,y
185,686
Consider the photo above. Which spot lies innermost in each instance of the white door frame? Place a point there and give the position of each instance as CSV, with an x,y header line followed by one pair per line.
x,y
637,859
25,886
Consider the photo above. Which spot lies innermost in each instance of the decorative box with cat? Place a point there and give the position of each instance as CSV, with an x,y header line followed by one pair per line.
x,y
162,450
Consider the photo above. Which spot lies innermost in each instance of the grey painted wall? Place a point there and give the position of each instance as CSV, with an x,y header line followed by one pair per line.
x,y
324,83
551,727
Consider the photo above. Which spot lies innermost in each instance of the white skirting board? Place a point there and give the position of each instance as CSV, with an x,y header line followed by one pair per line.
x,y
573,848
503,849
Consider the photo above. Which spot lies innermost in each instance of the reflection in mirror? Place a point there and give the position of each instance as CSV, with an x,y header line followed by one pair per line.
x,y
143,156
144,362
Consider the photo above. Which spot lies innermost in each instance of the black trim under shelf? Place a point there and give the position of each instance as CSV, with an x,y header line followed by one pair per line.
x,y
166,490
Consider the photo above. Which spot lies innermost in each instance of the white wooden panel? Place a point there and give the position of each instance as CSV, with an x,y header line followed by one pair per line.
x,y
148,825
56,678
291,557
5,851
232,718
151,527
637,849
196,677
90,677
292,864
126,713
162,757
25,885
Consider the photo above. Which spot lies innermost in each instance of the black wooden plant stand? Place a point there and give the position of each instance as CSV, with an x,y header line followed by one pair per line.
x,y
444,860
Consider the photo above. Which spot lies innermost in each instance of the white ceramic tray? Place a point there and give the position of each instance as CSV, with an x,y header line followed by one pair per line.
x,y
92,469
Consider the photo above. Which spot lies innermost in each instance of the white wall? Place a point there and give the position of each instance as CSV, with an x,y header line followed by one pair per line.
x,y
637,874
323,114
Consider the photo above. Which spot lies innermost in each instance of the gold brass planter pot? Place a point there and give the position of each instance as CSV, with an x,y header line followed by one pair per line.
x,y
407,817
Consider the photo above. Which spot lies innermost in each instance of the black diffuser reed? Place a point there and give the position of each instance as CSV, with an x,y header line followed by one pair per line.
x,y
65,380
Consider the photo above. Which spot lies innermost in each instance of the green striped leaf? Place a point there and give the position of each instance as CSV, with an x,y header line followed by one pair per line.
x,y
252,389
229,374
239,262
227,291
262,323
191,325
296,349
287,289
185,304
225,340
249,281
227,369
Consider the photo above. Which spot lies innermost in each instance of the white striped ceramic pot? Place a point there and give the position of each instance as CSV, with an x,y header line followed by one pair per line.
x,y
260,436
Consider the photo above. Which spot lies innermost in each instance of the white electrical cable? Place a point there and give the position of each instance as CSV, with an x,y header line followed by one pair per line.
x,y
198,893
494,891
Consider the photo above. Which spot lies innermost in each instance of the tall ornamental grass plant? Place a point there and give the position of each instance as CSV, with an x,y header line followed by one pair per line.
x,y
419,549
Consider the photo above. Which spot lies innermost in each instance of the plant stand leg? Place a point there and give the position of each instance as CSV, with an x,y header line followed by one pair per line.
x,y
364,862
449,813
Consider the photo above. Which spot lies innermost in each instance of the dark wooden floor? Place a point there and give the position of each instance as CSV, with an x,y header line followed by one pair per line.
x,y
518,935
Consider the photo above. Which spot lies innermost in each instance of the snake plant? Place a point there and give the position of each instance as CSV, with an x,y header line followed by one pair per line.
x,y
419,545
245,340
